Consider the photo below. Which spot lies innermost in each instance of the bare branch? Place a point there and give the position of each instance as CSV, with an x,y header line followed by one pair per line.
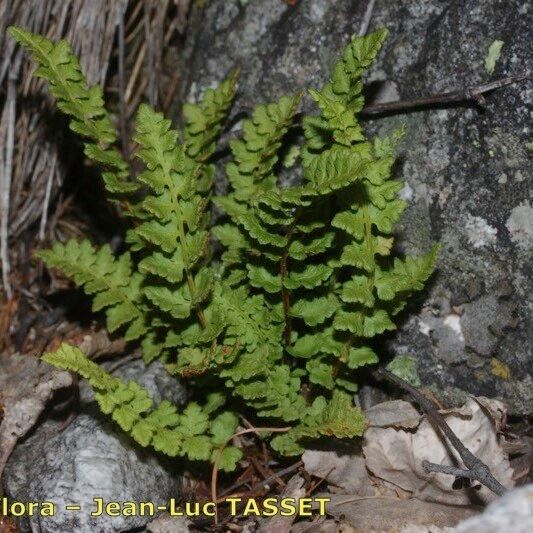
x,y
363,29
121,81
462,96
477,469
6,170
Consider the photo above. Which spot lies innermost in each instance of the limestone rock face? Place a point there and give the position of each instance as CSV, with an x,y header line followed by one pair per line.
x,y
466,172
512,512
91,458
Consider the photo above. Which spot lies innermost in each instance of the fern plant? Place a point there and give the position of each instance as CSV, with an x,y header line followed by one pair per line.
x,y
280,320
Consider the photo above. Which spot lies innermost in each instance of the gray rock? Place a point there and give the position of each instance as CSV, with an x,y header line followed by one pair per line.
x,y
513,512
92,458
467,172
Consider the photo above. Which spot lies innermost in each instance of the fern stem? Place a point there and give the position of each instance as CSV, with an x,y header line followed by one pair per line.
x,y
190,280
284,271
181,232
369,244
286,299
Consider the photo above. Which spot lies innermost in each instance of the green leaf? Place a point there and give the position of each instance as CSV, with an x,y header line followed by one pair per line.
x,y
108,278
305,346
197,448
260,277
404,366
230,236
352,223
363,325
254,228
340,418
163,235
315,311
302,250
172,302
223,427
166,267
83,104
358,290
228,459
310,277
335,168
361,356
286,444
493,55
203,121
358,255
377,323
407,275
320,373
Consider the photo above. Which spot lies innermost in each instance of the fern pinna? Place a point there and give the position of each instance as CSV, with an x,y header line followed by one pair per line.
x,y
285,313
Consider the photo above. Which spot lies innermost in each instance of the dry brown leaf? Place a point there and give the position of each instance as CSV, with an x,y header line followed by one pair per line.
x,y
98,344
279,523
169,524
396,413
7,525
396,455
26,385
320,526
387,514
343,467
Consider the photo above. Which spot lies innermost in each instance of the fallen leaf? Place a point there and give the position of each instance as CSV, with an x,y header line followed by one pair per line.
x,y
396,455
279,523
169,524
320,526
396,413
7,525
389,514
343,467
26,385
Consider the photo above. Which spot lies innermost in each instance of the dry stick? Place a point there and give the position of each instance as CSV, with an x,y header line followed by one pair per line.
x,y
121,83
468,95
46,202
476,469
367,17
266,482
461,96
214,474
5,179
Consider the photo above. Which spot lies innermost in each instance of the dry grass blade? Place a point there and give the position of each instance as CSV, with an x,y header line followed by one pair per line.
x,y
31,179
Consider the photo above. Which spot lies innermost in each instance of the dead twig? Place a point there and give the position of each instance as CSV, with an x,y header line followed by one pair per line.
x,y
46,202
121,82
474,94
5,180
475,468
214,473
367,17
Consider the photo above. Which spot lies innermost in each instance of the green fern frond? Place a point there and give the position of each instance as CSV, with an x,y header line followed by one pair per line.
x,y
256,154
287,305
191,433
83,104
110,280
172,218
203,121
335,418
